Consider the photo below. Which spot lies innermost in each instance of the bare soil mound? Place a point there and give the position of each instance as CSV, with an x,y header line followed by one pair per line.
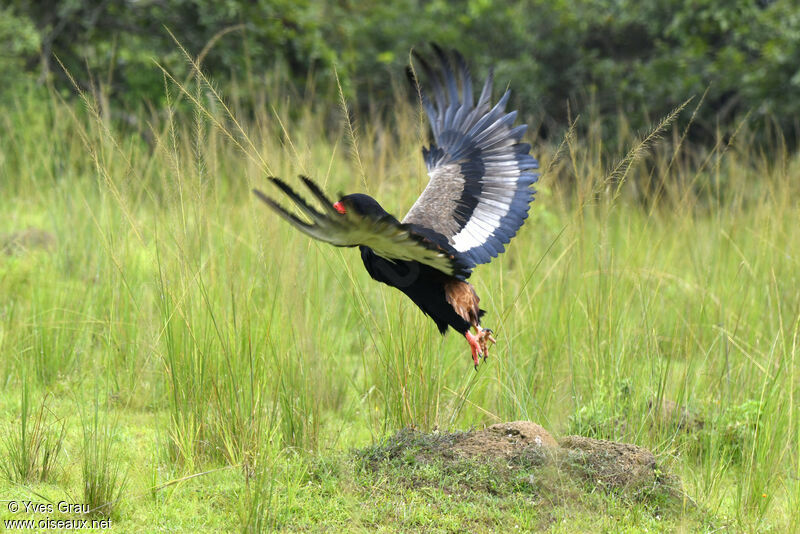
x,y
519,467
503,439
612,464
525,449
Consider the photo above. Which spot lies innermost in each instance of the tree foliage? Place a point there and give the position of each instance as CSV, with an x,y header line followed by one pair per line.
x,y
638,58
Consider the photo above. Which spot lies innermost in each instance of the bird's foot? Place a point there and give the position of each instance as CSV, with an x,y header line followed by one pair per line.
x,y
475,346
478,343
484,335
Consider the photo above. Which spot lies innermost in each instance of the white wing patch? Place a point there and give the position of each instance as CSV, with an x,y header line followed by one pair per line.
x,y
484,221
480,171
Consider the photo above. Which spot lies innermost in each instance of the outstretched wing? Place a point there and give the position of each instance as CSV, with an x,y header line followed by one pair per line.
x,y
480,173
384,235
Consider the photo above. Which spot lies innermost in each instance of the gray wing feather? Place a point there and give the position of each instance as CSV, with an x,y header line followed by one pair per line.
x,y
480,174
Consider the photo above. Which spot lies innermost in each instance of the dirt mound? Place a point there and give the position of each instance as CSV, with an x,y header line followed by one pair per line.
x,y
519,466
523,447
503,439
611,464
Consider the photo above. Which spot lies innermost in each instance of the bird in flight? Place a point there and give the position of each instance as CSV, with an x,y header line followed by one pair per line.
x,y
476,200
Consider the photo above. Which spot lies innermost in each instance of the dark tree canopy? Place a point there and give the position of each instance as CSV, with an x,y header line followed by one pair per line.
x,y
639,58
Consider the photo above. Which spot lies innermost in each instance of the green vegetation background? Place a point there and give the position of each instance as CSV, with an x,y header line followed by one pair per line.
x,y
640,58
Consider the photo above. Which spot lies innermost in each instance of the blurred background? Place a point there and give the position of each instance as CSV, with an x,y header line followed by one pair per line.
x,y
631,58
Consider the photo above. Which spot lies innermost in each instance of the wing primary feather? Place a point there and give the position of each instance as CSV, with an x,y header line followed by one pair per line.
x,y
483,102
490,117
321,196
412,79
294,220
466,81
297,199
486,92
438,94
452,88
478,194
383,234
449,76
466,89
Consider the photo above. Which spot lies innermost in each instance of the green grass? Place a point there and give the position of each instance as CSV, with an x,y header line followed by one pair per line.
x,y
33,445
212,367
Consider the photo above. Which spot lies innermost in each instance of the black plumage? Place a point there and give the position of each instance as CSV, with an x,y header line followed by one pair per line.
x,y
476,200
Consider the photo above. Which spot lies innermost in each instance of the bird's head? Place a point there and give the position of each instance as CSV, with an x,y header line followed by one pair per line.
x,y
359,204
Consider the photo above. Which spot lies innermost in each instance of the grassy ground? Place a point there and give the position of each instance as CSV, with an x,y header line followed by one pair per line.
x,y
172,348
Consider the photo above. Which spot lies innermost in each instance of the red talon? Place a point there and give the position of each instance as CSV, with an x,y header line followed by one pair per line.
x,y
475,345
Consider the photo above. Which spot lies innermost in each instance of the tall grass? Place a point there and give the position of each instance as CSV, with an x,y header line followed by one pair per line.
x,y
104,475
33,444
667,275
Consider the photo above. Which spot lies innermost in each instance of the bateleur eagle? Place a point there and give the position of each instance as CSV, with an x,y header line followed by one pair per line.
x,y
475,202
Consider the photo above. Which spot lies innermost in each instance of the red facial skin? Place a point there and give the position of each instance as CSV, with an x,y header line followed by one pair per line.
x,y
338,206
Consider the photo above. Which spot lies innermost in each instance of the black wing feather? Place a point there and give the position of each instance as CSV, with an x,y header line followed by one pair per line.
x,y
480,172
384,235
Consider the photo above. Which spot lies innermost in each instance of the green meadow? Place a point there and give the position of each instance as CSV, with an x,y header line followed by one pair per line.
x,y
177,358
